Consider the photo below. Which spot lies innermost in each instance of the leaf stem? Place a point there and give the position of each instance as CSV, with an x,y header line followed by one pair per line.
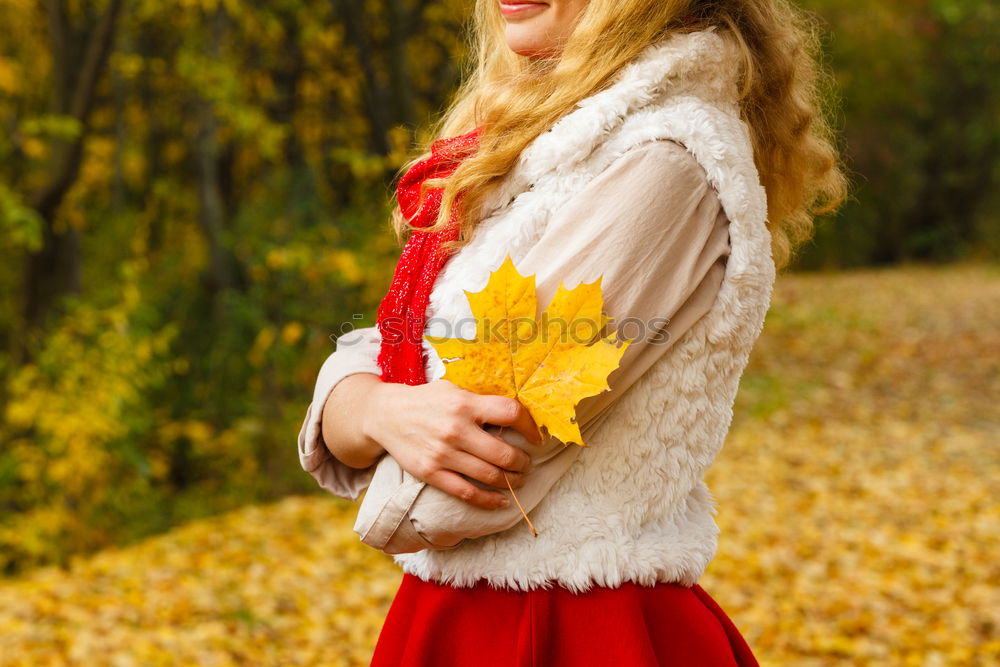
x,y
519,506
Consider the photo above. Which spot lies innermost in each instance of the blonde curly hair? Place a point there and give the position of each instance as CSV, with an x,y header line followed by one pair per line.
x,y
782,96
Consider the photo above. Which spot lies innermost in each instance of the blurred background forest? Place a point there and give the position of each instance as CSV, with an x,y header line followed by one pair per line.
x,y
193,205
193,201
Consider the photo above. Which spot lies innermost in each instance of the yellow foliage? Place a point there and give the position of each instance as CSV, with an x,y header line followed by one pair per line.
x,y
278,585
548,365
345,263
10,82
292,332
265,339
34,148
73,403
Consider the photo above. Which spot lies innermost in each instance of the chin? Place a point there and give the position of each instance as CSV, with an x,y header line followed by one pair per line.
x,y
528,42
529,46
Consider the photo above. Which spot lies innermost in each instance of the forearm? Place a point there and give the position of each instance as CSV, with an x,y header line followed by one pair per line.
x,y
400,514
344,420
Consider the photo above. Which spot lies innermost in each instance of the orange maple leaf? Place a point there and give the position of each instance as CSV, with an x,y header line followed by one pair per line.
x,y
548,365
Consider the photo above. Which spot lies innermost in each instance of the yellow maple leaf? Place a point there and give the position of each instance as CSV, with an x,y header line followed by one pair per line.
x,y
549,365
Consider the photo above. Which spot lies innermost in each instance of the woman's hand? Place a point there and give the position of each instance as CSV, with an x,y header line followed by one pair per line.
x,y
434,432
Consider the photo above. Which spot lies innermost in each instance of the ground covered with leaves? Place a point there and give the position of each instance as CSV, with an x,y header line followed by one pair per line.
x,y
859,496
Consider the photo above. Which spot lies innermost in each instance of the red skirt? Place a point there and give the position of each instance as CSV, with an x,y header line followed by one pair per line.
x,y
431,624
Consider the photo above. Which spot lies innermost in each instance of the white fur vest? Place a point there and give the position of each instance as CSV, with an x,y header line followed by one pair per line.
x,y
633,505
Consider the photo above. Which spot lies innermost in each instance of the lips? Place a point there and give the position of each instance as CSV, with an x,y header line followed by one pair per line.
x,y
513,8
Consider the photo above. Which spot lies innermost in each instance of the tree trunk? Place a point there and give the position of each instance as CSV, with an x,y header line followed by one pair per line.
x,y
399,79
79,59
376,105
212,213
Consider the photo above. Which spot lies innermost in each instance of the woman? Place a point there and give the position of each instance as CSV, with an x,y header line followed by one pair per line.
x,y
673,149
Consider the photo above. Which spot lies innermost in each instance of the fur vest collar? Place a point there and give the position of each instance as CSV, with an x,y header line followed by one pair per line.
x,y
610,518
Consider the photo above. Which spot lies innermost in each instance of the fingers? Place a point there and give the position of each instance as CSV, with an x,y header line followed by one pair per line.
x,y
480,470
452,483
505,411
497,451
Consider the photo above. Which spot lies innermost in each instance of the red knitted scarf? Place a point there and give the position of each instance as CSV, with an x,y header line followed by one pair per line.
x,y
402,314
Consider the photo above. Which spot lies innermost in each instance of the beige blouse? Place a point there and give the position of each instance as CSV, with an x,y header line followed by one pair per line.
x,y
651,225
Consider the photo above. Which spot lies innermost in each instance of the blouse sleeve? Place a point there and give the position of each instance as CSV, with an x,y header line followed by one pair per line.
x,y
356,352
653,227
